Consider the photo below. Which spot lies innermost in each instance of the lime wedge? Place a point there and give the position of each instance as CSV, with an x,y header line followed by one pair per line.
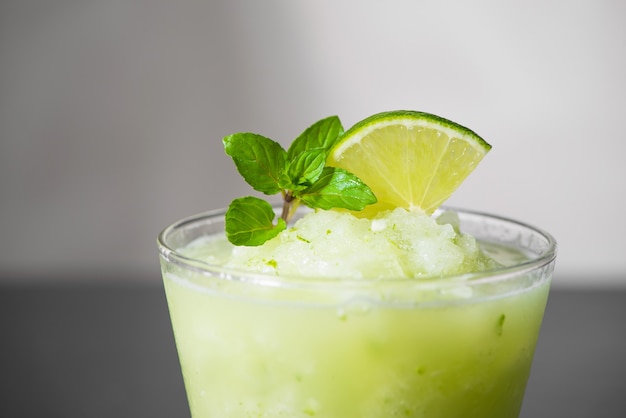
x,y
409,159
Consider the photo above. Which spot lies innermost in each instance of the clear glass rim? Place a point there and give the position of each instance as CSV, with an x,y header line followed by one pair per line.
x,y
500,274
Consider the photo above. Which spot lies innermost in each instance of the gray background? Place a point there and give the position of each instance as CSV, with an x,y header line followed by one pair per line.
x,y
112,113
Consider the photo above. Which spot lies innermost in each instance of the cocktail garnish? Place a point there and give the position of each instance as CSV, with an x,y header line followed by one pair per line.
x,y
299,174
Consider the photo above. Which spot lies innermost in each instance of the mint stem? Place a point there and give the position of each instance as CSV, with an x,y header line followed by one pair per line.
x,y
290,204
287,199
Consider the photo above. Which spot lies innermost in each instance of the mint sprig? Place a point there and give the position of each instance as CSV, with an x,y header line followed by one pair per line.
x,y
299,174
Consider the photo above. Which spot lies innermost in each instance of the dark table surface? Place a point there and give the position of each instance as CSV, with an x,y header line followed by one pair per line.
x,y
105,349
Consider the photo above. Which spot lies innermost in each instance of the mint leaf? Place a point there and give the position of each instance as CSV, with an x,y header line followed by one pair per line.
x,y
338,188
259,160
249,221
300,175
306,168
322,134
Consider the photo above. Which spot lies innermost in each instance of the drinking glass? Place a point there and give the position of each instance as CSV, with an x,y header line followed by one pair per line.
x,y
259,345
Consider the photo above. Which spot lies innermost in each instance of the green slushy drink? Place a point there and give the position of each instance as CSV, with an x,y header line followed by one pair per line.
x,y
261,345
357,297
